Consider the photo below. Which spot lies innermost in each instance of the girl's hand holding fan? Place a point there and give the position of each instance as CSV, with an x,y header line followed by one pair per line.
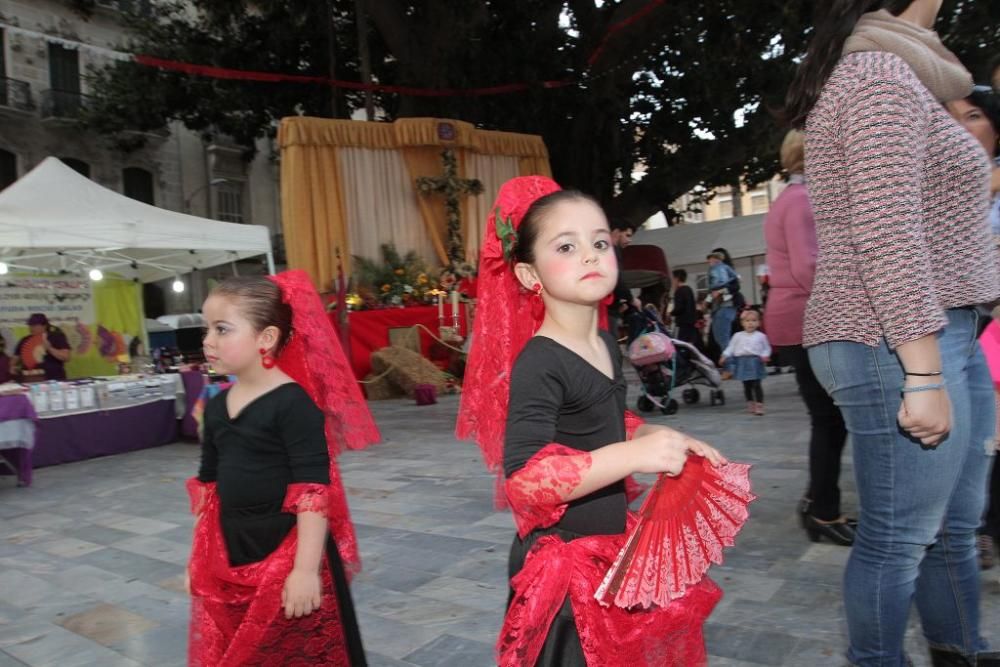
x,y
682,527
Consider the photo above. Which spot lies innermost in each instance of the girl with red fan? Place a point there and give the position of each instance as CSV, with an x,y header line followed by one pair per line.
x,y
544,397
273,541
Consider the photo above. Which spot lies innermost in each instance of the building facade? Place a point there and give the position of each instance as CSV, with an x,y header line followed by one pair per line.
x,y
722,206
47,50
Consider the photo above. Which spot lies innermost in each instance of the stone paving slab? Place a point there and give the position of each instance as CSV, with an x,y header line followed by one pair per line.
x,y
92,555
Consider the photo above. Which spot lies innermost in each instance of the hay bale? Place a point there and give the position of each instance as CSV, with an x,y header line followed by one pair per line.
x,y
381,388
406,369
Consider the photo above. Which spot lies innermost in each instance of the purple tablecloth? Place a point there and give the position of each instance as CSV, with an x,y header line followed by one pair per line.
x,y
194,382
84,436
16,406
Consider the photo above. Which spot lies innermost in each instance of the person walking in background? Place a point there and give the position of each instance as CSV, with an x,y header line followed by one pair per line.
x,y
790,235
900,195
621,237
685,312
724,286
749,350
979,113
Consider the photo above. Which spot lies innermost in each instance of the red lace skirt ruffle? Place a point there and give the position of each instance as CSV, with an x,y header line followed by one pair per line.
x,y
660,636
236,612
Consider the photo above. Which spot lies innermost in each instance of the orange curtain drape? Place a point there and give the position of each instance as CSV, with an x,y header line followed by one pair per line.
x,y
313,210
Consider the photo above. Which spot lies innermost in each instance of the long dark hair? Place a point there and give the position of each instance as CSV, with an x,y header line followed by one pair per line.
x,y
834,21
988,101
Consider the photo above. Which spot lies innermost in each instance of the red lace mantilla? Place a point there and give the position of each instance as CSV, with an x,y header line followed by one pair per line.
x,y
505,320
236,612
314,359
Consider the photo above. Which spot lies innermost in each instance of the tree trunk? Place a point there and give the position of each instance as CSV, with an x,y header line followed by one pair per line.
x,y
331,46
737,190
364,55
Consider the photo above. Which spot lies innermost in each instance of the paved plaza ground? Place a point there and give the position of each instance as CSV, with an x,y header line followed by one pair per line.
x,y
92,555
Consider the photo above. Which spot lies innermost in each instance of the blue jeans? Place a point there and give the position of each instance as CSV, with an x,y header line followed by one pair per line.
x,y
919,506
722,330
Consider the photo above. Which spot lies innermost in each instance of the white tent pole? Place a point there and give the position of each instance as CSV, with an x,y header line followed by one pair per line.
x,y
270,263
142,319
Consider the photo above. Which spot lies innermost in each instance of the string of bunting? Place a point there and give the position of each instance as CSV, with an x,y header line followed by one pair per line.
x,y
226,73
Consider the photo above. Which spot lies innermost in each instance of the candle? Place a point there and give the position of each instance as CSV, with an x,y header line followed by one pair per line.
x,y
440,305
454,304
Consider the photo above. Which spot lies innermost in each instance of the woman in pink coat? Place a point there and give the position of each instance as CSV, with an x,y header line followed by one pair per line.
x,y
791,260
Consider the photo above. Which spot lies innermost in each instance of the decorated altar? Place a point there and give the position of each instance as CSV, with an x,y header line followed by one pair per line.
x,y
423,184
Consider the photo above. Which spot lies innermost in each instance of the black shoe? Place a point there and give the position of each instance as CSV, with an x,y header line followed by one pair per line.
x,y
839,533
946,658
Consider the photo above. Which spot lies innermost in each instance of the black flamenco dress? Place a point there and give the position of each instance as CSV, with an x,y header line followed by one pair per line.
x,y
257,460
562,407
557,396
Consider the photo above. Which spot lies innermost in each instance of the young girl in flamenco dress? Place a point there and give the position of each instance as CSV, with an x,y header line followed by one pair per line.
x,y
544,397
273,541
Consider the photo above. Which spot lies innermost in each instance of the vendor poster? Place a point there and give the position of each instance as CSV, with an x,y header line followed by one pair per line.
x,y
64,300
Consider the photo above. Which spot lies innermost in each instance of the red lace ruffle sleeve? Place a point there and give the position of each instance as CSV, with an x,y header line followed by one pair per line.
x,y
307,497
538,490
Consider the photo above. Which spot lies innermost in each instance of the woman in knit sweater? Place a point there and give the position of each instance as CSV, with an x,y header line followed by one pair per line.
x,y
900,194
790,234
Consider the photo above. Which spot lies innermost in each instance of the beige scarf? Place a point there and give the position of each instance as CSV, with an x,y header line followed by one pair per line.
x,y
936,67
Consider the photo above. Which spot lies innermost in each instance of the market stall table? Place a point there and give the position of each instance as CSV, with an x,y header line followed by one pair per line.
x,y
18,421
115,425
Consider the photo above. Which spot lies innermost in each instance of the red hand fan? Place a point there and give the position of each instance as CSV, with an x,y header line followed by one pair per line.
x,y
33,352
682,528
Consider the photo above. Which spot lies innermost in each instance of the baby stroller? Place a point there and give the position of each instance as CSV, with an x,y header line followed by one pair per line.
x,y
664,363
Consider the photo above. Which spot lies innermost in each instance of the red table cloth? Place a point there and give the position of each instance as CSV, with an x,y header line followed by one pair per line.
x,y
369,330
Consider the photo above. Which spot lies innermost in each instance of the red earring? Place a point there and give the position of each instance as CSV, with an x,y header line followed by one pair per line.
x,y
266,360
537,305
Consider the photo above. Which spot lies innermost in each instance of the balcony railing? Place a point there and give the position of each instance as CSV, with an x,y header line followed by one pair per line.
x,y
16,94
64,104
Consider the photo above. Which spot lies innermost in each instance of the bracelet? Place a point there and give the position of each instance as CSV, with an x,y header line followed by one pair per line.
x,y
923,375
925,387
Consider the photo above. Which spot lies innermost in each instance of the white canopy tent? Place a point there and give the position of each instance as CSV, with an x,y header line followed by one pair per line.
x,y
55,219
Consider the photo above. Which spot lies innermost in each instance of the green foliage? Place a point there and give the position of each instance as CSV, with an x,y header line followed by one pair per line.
x,y
395,280
685,92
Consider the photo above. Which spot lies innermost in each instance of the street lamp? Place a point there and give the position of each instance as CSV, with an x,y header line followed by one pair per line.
x,y
213,182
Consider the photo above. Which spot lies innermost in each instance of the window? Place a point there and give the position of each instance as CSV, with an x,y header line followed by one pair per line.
x,y
79,165
3,71
758,202
8,168
64,81
726,206
138,184
229,197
